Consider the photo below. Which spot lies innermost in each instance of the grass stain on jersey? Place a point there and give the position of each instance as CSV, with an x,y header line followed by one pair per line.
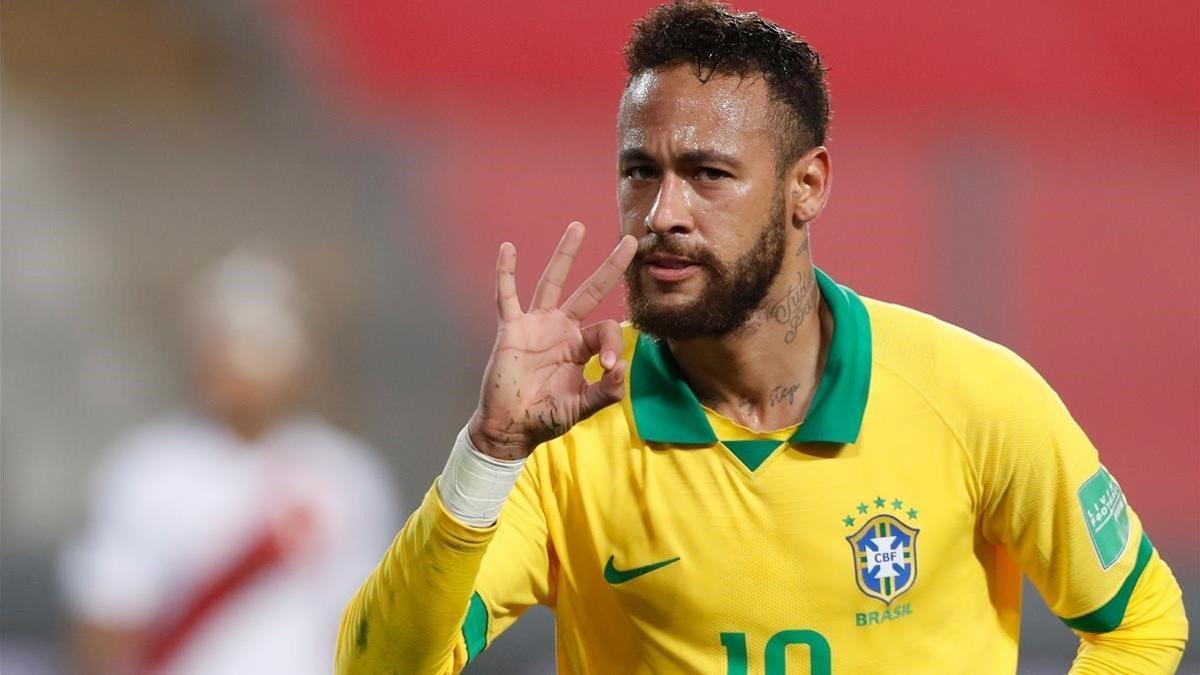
x,y
360,634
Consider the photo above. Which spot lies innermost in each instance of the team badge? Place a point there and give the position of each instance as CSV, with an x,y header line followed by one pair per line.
x,y
885,557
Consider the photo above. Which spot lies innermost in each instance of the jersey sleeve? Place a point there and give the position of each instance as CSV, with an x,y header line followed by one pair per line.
x,y
1045,497
444,590
119,572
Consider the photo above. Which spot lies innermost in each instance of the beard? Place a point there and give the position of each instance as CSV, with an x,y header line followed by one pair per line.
x,y
730,295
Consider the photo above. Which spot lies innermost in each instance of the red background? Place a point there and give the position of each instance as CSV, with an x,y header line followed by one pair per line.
x,y
1081,118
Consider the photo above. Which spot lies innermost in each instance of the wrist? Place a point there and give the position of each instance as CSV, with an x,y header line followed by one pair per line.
x,y
474,486
505,447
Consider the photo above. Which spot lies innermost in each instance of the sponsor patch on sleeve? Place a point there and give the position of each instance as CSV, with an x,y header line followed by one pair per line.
x,y
1106,517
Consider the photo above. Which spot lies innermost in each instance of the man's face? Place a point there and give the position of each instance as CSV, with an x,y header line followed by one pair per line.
x,y
246,381
698,186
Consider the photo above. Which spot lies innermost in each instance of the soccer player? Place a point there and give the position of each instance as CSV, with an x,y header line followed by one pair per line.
x,y
218,540
764,472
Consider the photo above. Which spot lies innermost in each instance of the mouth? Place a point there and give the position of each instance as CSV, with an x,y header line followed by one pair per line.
x,y
666,267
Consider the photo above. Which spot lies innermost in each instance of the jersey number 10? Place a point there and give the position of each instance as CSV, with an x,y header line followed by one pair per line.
x,y
820,662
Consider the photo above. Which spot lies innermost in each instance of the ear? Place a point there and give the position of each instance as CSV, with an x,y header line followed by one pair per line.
x,y
808,185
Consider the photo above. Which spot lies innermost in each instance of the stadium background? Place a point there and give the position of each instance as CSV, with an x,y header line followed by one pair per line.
x,y
1029,170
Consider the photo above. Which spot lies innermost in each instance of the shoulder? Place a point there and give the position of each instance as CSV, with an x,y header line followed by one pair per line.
x,y
942,359
340,475
168,445
973,383
312,434
316,443
156,464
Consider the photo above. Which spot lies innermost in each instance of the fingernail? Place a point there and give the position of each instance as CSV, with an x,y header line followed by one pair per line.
x,y
607,359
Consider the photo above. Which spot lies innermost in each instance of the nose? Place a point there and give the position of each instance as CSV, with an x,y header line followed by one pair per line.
x,y
670,213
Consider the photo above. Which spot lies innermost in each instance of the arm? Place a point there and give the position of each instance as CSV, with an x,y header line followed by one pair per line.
x,y
104,649
473,556
1046,498
421,610
1152,632
116,577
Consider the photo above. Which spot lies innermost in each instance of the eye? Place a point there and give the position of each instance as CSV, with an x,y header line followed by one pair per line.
x,y
709,174
641,172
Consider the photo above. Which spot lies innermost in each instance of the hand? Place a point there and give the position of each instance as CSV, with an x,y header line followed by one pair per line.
x,y
533,389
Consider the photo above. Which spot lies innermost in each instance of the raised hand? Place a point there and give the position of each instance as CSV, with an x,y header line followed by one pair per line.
x,y
533,389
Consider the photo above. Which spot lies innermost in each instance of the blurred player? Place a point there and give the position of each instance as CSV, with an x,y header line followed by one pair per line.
x,y
765,472
226,540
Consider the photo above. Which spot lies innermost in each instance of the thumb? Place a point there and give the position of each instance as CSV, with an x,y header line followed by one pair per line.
x,y
606,391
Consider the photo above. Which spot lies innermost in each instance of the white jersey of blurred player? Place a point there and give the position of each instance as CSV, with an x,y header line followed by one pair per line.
x,y
185,514
228,541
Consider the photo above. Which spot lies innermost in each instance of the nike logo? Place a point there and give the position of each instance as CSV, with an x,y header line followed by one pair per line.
x,y
615,576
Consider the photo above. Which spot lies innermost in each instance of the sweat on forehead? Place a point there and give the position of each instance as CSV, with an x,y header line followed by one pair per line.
x,y
674,97
711,39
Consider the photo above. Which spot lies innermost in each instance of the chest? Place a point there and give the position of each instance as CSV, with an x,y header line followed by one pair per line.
x,y
834,539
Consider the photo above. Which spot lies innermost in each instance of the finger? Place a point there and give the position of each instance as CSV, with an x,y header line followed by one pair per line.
x,y
549,287
588,296
604,338
507,305
607,390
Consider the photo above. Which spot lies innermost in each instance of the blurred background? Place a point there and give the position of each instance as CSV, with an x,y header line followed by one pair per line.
x,y
1029,170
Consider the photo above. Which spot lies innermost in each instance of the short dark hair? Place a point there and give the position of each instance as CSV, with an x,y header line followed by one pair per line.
x,y
717,40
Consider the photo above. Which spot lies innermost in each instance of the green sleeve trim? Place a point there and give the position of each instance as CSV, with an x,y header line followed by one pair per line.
x,y
475,627
1108,617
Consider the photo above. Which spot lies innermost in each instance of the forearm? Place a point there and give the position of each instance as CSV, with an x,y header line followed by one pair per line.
x,y
1109,655
407,615
409,612
1150,639
105,649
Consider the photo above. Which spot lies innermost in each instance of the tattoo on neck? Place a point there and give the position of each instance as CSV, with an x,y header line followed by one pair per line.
x,y
781,394
803,247
778,395
745,406
795,306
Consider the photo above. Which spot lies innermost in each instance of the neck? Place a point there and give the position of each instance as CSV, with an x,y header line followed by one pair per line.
x,y
248,428
764,374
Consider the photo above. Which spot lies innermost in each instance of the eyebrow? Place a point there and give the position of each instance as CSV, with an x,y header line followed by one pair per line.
x,y
704,156
634,155
699,156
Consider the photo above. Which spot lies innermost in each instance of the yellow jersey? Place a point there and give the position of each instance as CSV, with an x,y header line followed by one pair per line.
x,y
888,532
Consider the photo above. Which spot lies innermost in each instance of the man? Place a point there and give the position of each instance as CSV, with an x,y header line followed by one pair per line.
x,y
765,473
227,541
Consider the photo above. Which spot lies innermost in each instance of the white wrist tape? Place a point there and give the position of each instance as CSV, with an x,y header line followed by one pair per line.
x,y
473,485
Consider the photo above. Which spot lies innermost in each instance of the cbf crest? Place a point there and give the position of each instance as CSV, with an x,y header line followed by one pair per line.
x,y
885,557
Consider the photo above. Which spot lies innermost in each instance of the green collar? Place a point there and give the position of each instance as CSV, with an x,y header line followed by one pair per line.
x,y
666,410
